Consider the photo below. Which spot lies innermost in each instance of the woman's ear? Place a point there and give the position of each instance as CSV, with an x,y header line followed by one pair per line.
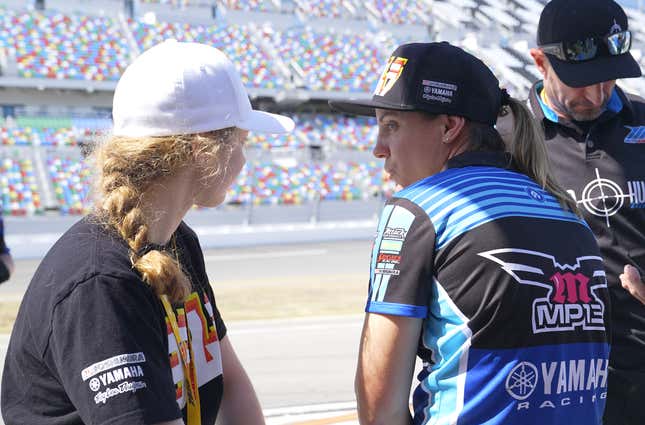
x,y
454,127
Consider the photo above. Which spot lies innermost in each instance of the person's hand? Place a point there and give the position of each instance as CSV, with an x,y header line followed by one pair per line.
x,y
631,281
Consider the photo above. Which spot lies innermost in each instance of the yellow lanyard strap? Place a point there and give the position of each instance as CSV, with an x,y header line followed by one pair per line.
x,y
188,365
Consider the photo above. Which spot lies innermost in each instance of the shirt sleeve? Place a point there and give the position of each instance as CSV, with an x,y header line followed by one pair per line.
x,y
219,322
4,249
109,348
401,266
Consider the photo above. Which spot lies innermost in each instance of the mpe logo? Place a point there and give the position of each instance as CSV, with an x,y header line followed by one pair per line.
x,y
569,301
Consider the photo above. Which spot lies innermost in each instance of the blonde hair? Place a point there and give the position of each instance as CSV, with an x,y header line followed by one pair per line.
x,y
527,148
127,167
529,152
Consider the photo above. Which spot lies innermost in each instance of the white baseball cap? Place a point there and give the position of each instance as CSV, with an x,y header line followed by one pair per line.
x,y
186,88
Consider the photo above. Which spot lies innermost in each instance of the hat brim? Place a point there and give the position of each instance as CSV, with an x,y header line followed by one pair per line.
x,y
606,68
364,107
266,122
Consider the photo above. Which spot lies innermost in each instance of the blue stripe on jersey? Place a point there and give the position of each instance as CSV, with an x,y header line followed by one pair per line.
x,y
419,191
440,395
397,218
397,309
460,199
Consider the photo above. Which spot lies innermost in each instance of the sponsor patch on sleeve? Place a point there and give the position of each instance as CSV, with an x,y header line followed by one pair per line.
x,y
116,375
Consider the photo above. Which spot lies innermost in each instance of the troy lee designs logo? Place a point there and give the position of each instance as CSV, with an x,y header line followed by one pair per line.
x,y
570,300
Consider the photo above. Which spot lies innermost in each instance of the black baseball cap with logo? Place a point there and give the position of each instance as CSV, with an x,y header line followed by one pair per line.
x,y
587,41
437,78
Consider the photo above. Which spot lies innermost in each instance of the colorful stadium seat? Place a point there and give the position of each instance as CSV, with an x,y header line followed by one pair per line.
x,y
237,41
61,46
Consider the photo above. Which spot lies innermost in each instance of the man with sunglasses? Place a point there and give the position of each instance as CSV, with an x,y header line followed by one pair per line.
x,y
595,135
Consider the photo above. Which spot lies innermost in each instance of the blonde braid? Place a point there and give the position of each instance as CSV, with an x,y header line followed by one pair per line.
x,y
120,208
127,167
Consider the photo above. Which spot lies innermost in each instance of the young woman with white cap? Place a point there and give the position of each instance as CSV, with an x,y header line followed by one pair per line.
x,y
119,325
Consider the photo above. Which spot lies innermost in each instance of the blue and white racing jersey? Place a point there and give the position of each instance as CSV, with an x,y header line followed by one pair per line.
x,y
512,292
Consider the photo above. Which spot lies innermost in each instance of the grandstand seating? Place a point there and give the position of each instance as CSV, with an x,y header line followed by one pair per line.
x,y
251,5
70,178
263,182
333,131
275,56
174,3
275,184
237,41
18,189
64,46
408,12
330,60
48,132
327,8
268,141
17,136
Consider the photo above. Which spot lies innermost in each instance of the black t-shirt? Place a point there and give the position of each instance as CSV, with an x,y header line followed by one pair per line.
x,y
3,246
91,343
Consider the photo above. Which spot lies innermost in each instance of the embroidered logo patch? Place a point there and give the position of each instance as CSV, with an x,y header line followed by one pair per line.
x,y
569,300
111,363
636,135
437,91
616,28
114,376
393,71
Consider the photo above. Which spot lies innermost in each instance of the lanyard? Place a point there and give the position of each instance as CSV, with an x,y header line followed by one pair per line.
x,y
544,98
188,365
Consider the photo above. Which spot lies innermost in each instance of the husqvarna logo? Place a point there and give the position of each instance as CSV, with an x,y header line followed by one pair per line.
x,y
603,197
570,301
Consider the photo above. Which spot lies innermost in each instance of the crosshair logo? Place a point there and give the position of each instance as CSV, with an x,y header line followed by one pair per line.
x,y
522,380
602,197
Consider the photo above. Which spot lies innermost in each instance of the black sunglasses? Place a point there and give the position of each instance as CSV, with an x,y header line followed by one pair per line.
x,y
588,48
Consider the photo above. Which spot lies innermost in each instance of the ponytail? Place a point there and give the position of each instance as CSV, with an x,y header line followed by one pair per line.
x,y
529,153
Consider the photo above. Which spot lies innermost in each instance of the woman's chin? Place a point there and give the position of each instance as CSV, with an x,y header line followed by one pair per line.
x,y
211,203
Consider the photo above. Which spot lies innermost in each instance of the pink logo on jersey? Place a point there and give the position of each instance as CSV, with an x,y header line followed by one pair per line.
x,y
570,300
570,288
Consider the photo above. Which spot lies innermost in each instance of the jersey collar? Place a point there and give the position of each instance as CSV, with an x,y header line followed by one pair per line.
x,y
614,106
486,159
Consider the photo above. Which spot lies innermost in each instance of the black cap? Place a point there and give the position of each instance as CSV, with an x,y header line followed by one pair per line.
x,y
437,78
572,20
